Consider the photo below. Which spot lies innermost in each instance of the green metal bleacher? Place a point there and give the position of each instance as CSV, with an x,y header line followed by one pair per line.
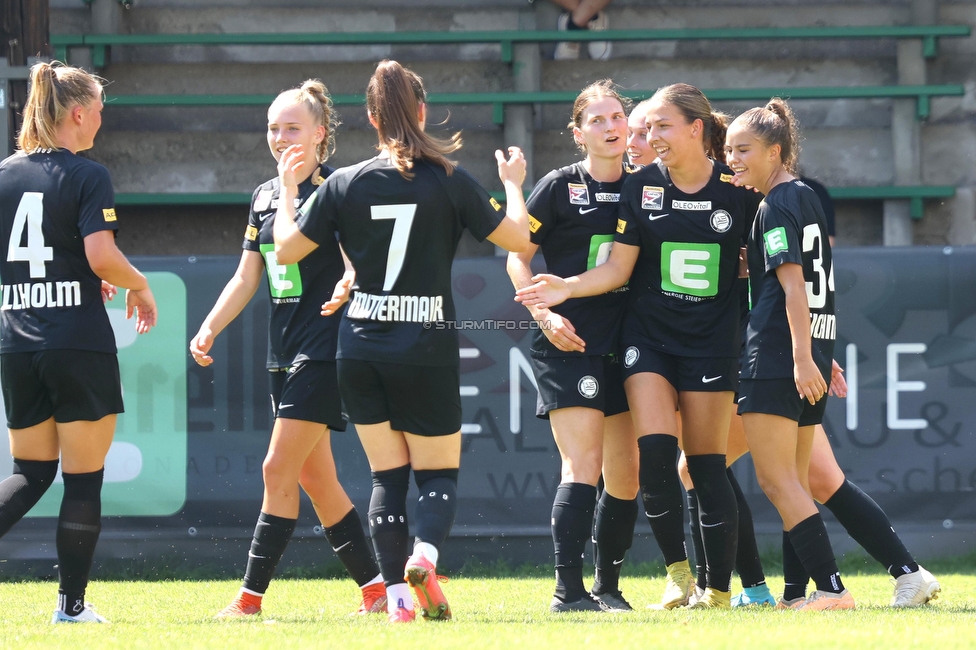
x,y
98,43
922,94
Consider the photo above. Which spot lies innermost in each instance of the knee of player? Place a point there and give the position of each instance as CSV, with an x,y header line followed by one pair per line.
x,y
825,480
582,469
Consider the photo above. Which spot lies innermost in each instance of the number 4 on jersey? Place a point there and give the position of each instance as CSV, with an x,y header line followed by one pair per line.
x,y
30,215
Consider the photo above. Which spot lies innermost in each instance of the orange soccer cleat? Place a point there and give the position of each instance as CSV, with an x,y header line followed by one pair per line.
x,y
420,575
374,600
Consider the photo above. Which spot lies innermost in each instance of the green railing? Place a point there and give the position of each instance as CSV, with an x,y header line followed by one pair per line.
x,y
916,194
929,35
921,94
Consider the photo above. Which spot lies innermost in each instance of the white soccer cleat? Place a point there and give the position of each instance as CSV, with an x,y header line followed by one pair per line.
x,y
915,589
87,615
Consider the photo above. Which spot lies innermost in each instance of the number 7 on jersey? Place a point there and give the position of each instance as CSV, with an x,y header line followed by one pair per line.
x,y
402,215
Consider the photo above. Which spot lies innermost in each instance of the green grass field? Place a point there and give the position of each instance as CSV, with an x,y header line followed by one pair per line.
x,y
506,613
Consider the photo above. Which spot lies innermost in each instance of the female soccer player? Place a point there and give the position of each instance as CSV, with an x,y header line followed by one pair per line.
x,y
399,218
575,355
59,372
639,152
786,363
301,361
857,512
681,226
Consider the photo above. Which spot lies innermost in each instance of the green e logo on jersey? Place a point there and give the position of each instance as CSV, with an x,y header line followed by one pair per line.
x,y
691,269
600,246
775,241
284,279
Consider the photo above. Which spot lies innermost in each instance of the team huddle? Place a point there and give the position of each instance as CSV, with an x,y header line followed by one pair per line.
x,y
688,311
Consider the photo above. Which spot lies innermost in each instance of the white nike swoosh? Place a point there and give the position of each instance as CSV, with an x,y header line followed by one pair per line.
x,y
656,516
618,561
336,550
284,406
265,216
741,398
708,380
704,525
654,217
582,211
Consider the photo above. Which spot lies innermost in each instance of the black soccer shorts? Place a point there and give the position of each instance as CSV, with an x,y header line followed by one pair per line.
x,y
779,397
594,382
423,400
308,391
697,374
70,385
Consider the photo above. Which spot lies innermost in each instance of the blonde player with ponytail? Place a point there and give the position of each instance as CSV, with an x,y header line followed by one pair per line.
x,y
301,362
60,373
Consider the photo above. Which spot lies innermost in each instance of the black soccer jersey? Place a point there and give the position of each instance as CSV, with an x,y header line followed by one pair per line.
x,y
297,331
683,290
401,236
790,228
573,218
51,298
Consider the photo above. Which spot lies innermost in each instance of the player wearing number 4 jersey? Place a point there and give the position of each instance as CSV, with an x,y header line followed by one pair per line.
x,y
301,360
575,360
59,372
786,362
682,224
399,218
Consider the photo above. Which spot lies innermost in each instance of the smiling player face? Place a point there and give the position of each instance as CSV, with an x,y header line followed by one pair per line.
x,y
753,162
292,123
603,129
638,151
671,136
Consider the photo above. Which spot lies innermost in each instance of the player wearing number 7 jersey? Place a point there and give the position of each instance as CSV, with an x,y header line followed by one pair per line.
x,y
58,365
399,217
786,362
681,227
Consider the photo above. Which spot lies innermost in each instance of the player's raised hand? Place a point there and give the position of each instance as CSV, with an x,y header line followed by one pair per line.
x,y
560,332
548,291
513,168
200,347
288,165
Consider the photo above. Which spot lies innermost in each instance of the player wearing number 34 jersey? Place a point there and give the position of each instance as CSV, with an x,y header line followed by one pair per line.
x,y
790,227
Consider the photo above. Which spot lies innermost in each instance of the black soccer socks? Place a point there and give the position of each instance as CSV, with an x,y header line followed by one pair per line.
x,y
79,524
271,537
812,546
870,527
388,522
349,543
747,562
661,492
436,505
20,491
718,516
572,520
614,534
